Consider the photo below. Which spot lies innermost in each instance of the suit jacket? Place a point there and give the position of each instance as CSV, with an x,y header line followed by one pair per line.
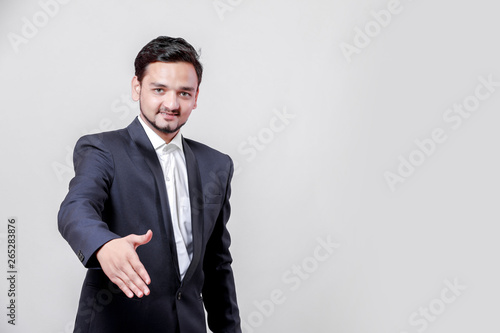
x,y
119,189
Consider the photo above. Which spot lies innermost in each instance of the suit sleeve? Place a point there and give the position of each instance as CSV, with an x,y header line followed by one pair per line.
x,y
80,216
219,293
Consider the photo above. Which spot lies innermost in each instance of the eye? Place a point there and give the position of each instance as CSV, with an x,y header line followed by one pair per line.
x,y
185,94
158,90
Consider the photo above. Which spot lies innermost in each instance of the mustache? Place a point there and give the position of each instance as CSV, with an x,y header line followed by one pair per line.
x,y
164,109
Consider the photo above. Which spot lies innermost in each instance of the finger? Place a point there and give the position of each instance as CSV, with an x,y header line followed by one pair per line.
x,y
141,271
129,281
123,287
137,265
141,239
135,283
119,277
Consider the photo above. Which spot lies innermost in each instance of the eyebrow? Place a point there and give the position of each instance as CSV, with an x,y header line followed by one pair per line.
x,y
161,85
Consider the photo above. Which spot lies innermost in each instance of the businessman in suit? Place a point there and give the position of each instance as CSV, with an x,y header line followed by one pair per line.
x,y
146,212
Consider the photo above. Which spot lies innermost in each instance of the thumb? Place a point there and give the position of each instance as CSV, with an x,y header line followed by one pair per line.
x,y
138,240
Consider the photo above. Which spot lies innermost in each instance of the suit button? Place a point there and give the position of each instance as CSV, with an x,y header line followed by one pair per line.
x,y
179,294
81,256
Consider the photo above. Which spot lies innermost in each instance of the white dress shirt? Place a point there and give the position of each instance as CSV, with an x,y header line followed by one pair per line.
x,y
173,162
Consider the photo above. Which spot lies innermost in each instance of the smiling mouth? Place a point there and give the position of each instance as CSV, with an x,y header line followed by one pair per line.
x,y
170,114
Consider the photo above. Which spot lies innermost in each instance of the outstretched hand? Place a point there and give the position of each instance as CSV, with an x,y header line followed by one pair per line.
x,y
122,266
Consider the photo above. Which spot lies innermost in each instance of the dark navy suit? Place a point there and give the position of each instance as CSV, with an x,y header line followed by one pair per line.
x,y
119,189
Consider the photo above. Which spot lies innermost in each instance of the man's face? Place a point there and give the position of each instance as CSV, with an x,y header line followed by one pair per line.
x,y
167,95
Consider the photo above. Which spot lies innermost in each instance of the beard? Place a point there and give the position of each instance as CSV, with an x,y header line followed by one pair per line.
x,y
166,129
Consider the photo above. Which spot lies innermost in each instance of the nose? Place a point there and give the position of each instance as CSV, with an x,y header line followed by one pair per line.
x,y
170,102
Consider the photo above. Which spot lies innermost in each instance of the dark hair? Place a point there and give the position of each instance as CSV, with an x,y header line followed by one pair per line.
x,y
167,49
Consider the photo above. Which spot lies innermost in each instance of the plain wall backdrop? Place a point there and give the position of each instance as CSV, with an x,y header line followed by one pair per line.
x,y
365,135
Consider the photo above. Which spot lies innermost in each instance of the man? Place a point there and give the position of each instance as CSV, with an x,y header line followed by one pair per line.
x,y
147,210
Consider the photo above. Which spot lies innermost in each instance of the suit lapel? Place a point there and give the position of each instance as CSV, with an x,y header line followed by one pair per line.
x,y
146,153
196,200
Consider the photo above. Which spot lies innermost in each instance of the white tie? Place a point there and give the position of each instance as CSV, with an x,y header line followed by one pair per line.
x,y
178,197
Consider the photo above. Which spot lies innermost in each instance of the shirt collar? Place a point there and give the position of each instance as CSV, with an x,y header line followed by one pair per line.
x,y
157,142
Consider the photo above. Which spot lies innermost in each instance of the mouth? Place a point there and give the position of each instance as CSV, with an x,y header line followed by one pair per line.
x,y
169,114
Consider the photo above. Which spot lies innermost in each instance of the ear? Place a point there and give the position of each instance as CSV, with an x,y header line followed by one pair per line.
x,y
196,99
136,89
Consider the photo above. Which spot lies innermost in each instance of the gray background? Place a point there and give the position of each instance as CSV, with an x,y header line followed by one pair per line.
x,y
318,176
